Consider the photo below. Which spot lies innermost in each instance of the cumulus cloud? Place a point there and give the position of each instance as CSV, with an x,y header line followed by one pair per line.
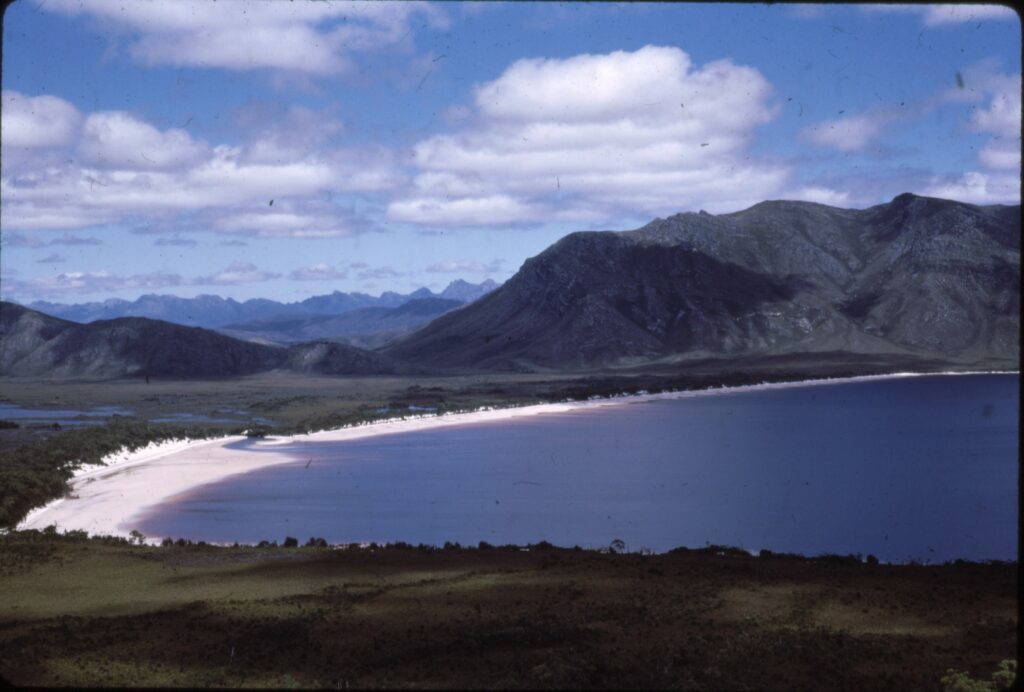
x,y
852,133
315,38
819,194
128,170
940,15
36,122
118,139
236,273
318,272
587,137
465,266
977,187
1001,118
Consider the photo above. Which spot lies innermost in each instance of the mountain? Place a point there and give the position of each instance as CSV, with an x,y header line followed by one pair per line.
x,y
916,276
465,292
214,311
365,327
34,344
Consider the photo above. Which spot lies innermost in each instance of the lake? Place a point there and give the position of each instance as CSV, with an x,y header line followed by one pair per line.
x,y
917,468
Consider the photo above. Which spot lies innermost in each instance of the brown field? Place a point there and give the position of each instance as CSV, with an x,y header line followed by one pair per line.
x,y
87,613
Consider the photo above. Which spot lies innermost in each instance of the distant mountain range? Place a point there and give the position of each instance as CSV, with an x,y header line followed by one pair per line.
x,y
363,327
915,278
213,311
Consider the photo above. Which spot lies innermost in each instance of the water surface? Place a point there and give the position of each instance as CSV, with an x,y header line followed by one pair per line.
x,y
916,468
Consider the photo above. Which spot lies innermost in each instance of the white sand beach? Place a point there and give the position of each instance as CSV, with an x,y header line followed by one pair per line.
x,y
104,500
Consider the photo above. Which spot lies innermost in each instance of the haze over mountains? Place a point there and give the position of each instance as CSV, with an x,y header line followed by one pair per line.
x,y
213,311
916,277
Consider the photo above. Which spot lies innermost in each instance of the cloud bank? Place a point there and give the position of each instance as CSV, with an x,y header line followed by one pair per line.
x,y
594,137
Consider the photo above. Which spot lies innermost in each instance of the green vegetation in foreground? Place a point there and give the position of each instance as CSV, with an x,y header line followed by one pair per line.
x,y
103,612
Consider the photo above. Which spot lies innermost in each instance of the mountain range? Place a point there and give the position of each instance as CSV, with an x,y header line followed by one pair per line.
x,y
212,311
917,277
363,327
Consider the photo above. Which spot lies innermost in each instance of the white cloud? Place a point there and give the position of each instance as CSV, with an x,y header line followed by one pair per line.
x,y
935,15
819,194
52,258
465,266
1002,119
117,139
977,188
318,272
81,283
942,15
129,170
303,37
34,122
590,136
236,273
852,133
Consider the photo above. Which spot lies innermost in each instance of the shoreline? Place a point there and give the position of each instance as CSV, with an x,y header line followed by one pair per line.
x,y
105,499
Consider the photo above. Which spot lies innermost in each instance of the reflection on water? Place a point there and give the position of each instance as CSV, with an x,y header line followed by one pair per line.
x,y
917,468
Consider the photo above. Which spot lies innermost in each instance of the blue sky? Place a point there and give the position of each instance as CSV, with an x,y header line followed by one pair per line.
x,y
287,149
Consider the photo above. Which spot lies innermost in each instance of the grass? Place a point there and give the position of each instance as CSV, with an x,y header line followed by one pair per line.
x,y
88,612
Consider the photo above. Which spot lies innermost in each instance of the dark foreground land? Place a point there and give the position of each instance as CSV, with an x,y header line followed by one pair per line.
x,y
83,612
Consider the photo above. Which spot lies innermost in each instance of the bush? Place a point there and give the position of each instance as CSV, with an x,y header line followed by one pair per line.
x,y
290,542
960,681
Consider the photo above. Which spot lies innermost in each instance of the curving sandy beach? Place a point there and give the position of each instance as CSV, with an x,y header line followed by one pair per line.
x,y
104,500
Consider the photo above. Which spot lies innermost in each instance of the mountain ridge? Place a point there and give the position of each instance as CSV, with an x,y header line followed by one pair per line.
x,y
213,311
917,275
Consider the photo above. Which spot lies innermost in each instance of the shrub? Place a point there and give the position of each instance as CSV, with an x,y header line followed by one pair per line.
x,y
960,681
290,542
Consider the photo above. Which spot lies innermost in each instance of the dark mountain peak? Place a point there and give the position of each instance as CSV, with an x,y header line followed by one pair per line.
x,y
917,275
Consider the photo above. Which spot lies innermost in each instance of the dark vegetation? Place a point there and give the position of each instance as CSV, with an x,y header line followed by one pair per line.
x,y
35,473
105,612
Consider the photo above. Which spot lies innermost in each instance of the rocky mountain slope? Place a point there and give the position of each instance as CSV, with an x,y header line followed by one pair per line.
x,y
916,276
34,344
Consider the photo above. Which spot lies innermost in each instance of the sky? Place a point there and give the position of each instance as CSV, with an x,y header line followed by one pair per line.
x,y
288,149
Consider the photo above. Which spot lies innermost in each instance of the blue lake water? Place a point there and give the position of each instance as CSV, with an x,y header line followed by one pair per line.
x,y
918,468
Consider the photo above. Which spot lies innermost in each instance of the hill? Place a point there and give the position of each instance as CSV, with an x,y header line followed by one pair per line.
x,y
34,344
